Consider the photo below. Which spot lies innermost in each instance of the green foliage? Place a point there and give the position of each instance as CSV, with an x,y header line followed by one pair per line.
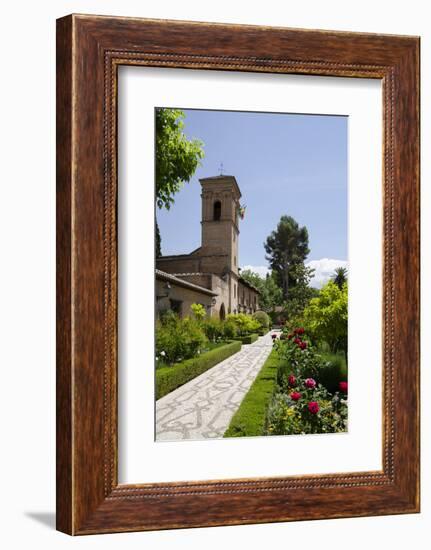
x,y
271,294
198,311
250,338
262,318
158,241
297,361
300,292
287,416
332,370
340,277
170,378
325,317
244,323
299,408
286,247
250,418
176,156
214,329
178,339
230,329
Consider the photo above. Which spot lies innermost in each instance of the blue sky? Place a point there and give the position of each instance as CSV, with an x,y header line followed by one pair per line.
x,y
285,164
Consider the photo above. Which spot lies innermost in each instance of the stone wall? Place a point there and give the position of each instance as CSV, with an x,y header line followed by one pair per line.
x,y
248,299
180,299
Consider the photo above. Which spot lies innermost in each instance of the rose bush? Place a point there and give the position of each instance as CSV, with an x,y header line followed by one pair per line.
x,y
301,405
307,409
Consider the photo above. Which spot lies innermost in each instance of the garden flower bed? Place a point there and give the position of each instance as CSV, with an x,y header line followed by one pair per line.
x,y
301,403
297,391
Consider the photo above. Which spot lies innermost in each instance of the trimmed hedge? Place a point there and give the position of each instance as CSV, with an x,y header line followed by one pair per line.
x,y
250,419
250,338
263,331
170,378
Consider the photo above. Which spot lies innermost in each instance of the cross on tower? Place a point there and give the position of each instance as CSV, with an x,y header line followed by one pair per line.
x,y
221,169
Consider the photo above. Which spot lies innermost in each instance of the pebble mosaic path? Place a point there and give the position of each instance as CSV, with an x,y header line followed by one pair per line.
x,y
203,408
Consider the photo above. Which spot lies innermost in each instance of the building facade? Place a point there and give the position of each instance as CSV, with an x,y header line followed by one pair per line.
x,y
214,265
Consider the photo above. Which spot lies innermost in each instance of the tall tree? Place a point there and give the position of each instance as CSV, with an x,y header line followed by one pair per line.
x,y
301,292
287,247
340,276
177,158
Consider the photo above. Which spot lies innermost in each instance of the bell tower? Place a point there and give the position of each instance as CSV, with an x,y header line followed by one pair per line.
x,y
220,230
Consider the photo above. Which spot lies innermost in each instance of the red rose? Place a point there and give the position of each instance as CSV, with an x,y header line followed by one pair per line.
x,y
290,336
297,341
292,380
295,396
302,345
313,407
343,387
299,330
310,383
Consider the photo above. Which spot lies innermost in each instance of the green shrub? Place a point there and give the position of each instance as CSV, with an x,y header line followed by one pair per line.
x,y
178,339
298,354
213,328
332,371
170,378
262,318
230,330
325,317
245,324
198,311
250,418
250,338
305,407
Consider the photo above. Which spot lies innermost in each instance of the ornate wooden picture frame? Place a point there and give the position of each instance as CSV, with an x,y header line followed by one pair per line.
x,y
89,51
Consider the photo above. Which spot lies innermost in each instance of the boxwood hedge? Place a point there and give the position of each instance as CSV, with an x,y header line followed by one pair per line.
x,y
170,378
250,338
249,420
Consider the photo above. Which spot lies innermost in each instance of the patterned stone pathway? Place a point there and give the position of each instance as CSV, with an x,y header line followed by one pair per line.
x,y
203,407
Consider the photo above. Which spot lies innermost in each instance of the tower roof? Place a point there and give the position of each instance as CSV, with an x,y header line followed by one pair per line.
x,y
224,179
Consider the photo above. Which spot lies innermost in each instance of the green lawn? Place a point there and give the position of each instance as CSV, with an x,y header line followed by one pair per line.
x,y
168,378
249,420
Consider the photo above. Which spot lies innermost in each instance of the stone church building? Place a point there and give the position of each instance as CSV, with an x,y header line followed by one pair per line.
x,y
209,275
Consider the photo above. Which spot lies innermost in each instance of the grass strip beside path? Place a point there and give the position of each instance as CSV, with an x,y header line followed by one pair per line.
x,y
170,378
249,420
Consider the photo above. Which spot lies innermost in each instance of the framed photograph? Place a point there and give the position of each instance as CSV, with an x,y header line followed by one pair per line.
x,y
237,274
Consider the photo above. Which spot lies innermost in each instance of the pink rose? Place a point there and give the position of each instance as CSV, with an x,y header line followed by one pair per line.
x,y
292,380
310,383
343,387
295,396
313,407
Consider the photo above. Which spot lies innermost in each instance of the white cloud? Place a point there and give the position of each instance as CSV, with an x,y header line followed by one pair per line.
x,y
261,270
324,270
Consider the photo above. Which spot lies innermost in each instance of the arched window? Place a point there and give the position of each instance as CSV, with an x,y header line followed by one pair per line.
x,y
217,211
